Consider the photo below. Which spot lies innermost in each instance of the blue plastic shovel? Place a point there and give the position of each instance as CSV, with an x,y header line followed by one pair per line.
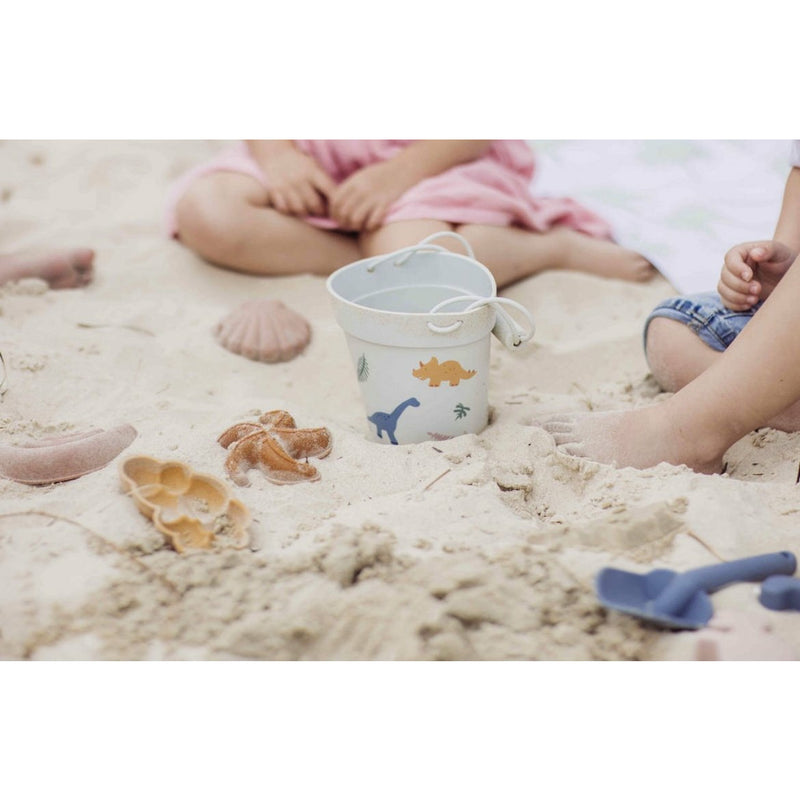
x,y
680,600
780,593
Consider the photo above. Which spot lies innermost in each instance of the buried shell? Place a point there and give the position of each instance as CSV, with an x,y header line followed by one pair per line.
x,y
264,330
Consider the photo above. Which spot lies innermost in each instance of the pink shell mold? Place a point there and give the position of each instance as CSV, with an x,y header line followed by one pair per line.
x,y
264,330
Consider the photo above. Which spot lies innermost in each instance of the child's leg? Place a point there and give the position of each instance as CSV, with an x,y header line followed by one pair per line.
x,y
754,382
224,218
62,269
403,234
685,335
514,253
676,354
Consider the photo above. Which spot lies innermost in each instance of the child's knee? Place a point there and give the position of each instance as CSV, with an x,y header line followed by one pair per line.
x,y
664,337
397,235
209,214
675,353
198,217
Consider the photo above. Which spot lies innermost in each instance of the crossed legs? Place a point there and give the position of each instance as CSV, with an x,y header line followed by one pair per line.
x,y
719,397
224,218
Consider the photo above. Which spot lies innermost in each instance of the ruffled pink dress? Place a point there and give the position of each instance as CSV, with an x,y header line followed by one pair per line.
x,y
494,189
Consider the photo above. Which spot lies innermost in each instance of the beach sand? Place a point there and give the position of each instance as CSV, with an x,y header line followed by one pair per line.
x,y
481,547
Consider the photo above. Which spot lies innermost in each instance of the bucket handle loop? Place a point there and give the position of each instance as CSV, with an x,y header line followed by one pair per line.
x,y
445,328
426,244
506,328
438,235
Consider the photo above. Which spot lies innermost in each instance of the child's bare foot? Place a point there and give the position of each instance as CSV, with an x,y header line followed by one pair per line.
x,y
600,257
639,438
62,269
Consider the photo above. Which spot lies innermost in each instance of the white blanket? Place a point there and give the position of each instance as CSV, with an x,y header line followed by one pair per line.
x,y
682,203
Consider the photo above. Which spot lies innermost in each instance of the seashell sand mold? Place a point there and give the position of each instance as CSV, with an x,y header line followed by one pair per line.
x,y
264,330
191,509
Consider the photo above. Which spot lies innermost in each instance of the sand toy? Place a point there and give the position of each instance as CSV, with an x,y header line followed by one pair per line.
x,y
681,600
780,593
264,330
191,509
63,458
418,324
276,446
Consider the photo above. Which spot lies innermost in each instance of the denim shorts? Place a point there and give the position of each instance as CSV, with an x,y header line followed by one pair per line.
x,y
705,314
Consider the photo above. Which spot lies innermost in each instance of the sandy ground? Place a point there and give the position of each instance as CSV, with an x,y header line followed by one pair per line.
x,y
493,560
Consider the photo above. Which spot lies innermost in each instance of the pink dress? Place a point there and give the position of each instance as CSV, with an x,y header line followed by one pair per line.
x,y
493,189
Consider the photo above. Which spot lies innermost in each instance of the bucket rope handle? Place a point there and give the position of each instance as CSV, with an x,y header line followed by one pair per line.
x,y
446,328
438,235
425,244
506,328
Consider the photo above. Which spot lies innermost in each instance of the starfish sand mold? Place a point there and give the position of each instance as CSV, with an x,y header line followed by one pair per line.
x,y
276,446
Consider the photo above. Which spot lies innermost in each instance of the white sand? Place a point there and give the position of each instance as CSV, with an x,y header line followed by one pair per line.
x,y
494,560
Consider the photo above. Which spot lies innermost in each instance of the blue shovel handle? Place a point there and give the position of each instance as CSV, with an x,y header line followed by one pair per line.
x,y
708,579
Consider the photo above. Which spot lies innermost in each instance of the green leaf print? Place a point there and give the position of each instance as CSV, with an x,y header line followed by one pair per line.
x,y
362,368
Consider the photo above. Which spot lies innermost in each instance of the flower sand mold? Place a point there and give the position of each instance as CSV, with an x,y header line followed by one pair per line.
x,y
350,595
276,446
191,509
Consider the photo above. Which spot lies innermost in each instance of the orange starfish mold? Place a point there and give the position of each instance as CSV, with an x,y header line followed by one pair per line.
x,y
191,509
275,445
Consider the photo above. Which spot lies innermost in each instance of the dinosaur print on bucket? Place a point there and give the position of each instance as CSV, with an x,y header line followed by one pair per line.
x,y
450,371
384,421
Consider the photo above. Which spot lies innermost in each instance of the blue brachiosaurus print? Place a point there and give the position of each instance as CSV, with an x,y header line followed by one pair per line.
x,y
388,422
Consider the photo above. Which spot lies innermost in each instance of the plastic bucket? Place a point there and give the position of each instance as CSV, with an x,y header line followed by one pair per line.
x,y
417,324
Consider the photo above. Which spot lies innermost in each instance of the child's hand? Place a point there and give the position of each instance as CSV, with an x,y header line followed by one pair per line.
x,y
751,271
360,203
298,186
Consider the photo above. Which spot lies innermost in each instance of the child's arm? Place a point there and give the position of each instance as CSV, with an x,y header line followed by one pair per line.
x,y
297,185
753,269
361,201
788,228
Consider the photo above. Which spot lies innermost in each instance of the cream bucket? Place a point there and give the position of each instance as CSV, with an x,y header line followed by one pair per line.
x,y
417,324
